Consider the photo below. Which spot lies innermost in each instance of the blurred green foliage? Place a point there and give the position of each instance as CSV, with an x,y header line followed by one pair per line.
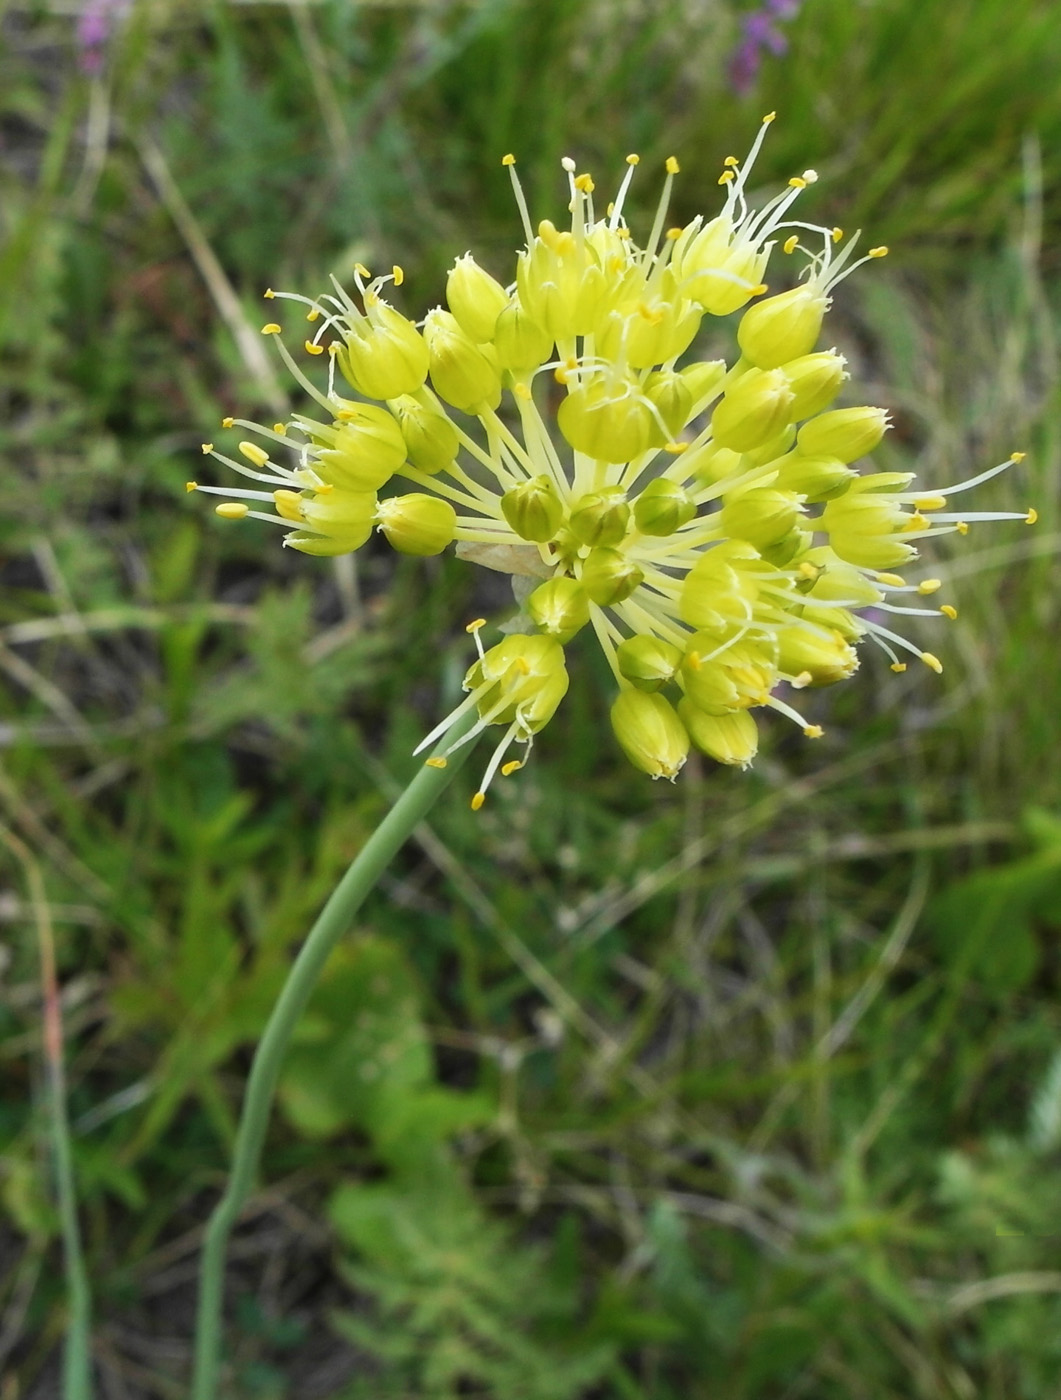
x,y
746,1088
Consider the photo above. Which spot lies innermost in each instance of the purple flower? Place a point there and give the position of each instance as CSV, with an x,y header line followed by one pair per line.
x,y
93,30
759,33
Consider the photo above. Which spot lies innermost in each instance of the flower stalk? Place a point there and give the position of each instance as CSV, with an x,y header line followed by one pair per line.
x,y
333,922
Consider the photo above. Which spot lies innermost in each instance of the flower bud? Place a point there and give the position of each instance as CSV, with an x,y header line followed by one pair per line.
x,y
815,380
363,450
650,733
669,390
345,516
817,652
385,355
731,738
417,523
647,662
560,607
662,507
784,550
611,422
817,478
430,438
521,344
475,298
464,374
533,509
762,516
782,327
600,517
319,546
754,410
838,582
609,577
866,524
847,433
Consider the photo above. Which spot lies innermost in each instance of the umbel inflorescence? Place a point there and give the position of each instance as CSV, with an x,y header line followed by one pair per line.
x,y
704,519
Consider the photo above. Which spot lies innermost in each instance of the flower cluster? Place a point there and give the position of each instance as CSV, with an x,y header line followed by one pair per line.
x,y
705,520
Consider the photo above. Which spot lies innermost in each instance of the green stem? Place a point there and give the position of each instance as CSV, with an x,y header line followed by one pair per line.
x,y
335,919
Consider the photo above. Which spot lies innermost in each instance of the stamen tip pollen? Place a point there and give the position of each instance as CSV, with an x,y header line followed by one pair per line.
x,y
477,801
813,731
1031,517
671,165
270,328
949,610
932,662
435,762
898,667
508,159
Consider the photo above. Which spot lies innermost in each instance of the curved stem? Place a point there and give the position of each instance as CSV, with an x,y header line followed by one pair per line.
x,y
334,920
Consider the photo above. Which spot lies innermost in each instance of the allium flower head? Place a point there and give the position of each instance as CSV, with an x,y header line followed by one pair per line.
x,y
704,520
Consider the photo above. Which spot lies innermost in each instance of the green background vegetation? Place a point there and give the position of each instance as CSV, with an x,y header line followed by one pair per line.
x,y
741,1089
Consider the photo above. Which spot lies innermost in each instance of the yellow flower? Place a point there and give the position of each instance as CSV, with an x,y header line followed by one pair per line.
x,y
707,521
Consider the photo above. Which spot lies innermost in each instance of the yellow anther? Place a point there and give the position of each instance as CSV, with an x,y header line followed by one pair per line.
x,y
676,448
398,274
671,165
932,662
837,234
345,415
927,586
915,522
280,429
435,763
207,448
324,488
513,766
510,159
898,667
585,183
288,504
770,116
254,453
271,328
522,391
693,661
881,252
791,243
622,233
930,502
362,270
802,680
478,800
560,374
1031,517
191,486
232,510
313,349
813,731
1017,456
797,183
633,158
726,177
268,294
475,625
948,610
894,580
962,527
313,315
674,233
610,208
759,290
228,422
731,160
808,570
333,347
